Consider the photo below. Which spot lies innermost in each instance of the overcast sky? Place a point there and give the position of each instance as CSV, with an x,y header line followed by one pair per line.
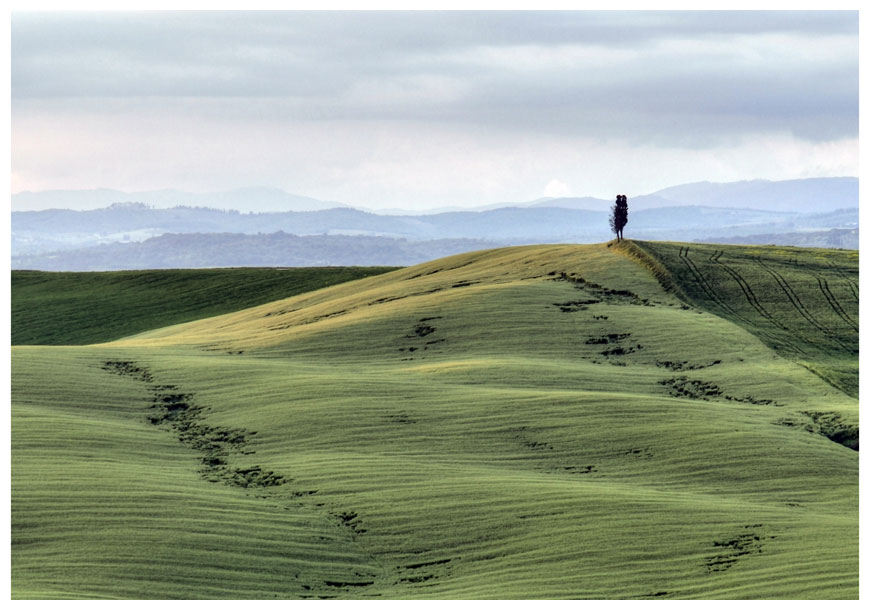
x,y
424,109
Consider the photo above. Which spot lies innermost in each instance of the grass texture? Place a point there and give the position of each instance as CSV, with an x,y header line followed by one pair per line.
x,y
802,302
531,422
93,307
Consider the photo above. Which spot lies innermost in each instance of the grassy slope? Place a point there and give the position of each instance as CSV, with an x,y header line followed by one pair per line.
x,y
503,456
104,506
802,302
92,307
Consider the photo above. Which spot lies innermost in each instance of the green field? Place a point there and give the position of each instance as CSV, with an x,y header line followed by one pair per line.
x,y
91,307
531,422
802,302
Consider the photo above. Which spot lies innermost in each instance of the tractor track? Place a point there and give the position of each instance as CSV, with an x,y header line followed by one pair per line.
x,y
708,290
853,288
833,302
792,296
751,298
800,307
711,293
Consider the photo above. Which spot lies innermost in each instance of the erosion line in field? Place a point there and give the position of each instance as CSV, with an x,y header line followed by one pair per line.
x,y
217,446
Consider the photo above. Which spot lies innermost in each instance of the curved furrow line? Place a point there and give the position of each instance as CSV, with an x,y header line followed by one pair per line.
x,y
792,296
832,301
754,302
684,256
853,287
801,308
710,291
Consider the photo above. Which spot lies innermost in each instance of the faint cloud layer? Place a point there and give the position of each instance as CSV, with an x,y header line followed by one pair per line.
x,y
669,80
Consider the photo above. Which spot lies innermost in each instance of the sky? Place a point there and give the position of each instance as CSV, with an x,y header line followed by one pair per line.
x,y
419,110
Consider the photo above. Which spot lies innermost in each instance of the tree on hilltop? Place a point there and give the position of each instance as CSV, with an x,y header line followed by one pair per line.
x,y
619,216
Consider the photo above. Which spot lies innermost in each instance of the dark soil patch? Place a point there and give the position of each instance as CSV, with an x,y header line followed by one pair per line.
x,y
683,387
640,453
538,445
580,469
130,369
610,338
574,306
730,550
416,573
420,331
620,350
684,365
351,520
832,426
603,293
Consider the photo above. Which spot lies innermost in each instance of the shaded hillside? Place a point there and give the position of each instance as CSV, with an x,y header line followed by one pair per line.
x,y
801,302
82,308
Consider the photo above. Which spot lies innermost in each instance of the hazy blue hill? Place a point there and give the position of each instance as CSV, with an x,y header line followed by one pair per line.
x,y
250,199
648,202
701,211
127,216
547,223
205,250
518,224
133,236
843,217
832,238
703,216
575,203
806,195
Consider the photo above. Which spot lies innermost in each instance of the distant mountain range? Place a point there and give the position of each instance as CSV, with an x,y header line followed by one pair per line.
x,y
797,211
206,250
805,195
832,238
253,199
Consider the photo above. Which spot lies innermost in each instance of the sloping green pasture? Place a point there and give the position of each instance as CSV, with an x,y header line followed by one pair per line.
x,y
92,307
535,422
802,302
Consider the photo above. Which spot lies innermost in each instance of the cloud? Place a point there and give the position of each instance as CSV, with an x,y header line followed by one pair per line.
x,y
417,101
556,188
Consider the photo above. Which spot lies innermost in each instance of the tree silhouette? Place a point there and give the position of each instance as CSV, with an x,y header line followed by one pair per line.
x,y
619,216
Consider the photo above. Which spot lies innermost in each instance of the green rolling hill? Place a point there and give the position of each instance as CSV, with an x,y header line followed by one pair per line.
x,y
64,308
534,422
801,302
